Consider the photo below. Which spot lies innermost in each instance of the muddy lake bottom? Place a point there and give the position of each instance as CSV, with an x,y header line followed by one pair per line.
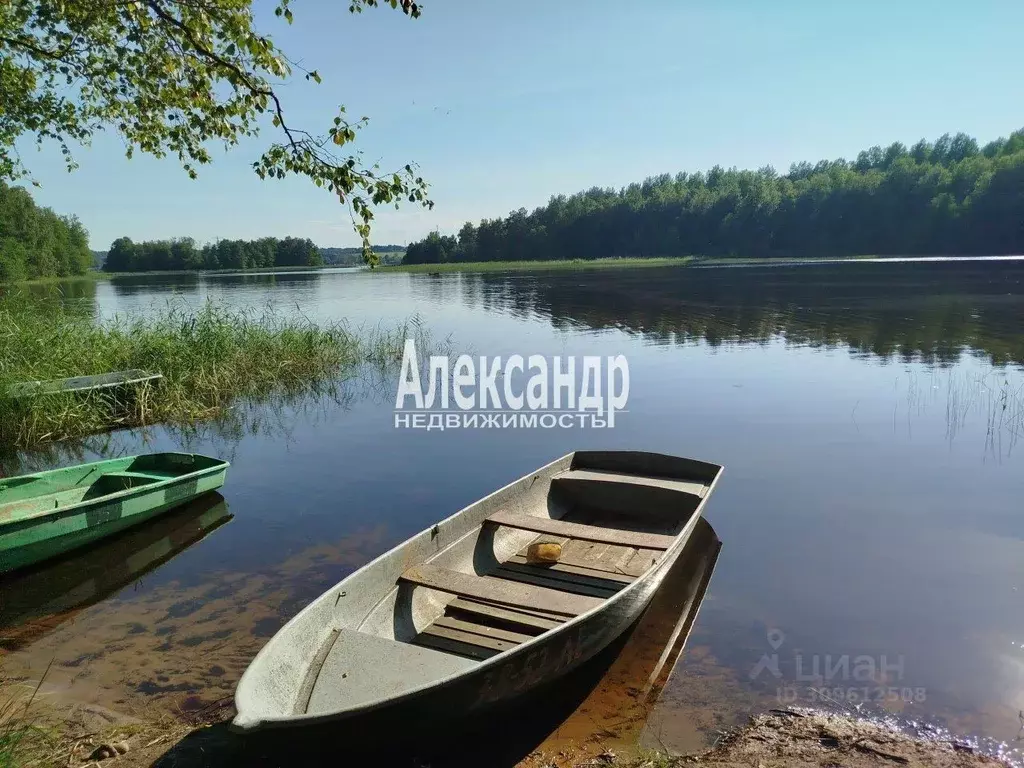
x,y
871,553
610,711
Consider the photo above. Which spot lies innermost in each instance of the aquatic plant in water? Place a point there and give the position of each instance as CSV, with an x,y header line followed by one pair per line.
x,y
209,359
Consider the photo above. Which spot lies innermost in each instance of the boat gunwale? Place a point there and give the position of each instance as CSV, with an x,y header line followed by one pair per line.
x,y
221,466
251,723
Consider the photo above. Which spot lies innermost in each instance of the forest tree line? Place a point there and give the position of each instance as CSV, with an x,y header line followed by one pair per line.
x,y
182,254
36,242
353,256
950,196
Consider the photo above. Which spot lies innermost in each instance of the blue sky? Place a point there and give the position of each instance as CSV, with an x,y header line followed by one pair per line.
x,y
503,104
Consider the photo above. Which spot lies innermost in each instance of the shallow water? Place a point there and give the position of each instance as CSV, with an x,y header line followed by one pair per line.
x,y
867,415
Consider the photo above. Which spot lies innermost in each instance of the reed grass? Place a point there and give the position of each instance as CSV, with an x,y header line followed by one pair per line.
x,y
209,359
21,739
14,735
990,402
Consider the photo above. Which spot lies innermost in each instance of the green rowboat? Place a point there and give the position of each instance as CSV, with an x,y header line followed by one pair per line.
x,y
49,513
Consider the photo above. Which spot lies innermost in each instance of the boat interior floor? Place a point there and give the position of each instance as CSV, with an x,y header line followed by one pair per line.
x,y
509,605
518,600
102,485
502,603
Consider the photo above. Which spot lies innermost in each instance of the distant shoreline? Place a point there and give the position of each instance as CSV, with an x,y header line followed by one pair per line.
x,y
536,266
98,274
529,266
673,261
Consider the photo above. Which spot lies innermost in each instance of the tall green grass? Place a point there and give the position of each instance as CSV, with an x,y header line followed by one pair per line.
x,y
209,359
20,738
13,737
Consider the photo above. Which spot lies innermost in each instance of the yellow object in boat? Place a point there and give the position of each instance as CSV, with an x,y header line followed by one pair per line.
x,y
544,552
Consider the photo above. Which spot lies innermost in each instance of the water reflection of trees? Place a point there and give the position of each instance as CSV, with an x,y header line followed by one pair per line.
x,y
187,283
193,283
71,293
932,312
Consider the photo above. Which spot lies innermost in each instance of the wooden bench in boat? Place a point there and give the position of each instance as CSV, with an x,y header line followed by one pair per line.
x,y
608,579
581,531
610,561
500,591
566,581
519,619
518,599
512,604
598,476
467,638
492,614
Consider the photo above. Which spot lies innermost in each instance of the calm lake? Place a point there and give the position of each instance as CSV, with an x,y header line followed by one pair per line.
x,y
870,514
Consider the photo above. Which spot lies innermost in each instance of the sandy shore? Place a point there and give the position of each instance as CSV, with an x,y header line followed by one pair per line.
x,y
90,736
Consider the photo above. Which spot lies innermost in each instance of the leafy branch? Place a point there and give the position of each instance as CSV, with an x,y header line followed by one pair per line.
x,y
170,76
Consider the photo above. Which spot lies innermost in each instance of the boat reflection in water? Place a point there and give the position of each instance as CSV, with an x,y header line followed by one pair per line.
x,y
35,602
603,705
614,714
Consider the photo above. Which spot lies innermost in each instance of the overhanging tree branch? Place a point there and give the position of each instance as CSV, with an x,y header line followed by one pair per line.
x,y
168,76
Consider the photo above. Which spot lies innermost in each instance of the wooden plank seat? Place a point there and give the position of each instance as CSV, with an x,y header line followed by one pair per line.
x,y
485,630
517,619
594,555
598,476
611,577
500,591
580,531
463,641
565,580
479,630
470,638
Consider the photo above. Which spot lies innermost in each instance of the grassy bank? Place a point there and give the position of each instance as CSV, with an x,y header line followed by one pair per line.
x,y
21,738
15,741
209,359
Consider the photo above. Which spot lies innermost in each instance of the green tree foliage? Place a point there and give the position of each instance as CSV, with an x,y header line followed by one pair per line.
x,y
183,254
435,249
36,242
170,76
950,196
351,257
